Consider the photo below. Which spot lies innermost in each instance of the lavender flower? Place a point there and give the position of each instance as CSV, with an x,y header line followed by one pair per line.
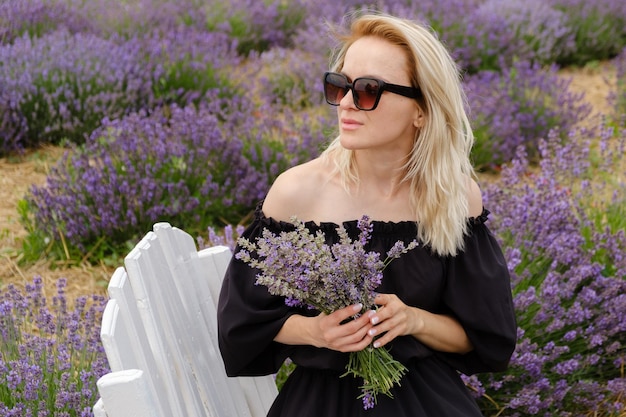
x,y
301,267
50,356
227,237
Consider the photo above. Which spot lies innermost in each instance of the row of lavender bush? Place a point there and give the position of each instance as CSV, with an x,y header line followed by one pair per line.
x,y
191,166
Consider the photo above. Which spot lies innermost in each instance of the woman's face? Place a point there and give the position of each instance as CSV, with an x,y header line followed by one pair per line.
x,y
392,125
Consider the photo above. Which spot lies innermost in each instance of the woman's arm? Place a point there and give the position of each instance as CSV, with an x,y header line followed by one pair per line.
x,y
437,331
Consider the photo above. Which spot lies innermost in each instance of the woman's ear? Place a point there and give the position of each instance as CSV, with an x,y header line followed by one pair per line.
x,y
418,120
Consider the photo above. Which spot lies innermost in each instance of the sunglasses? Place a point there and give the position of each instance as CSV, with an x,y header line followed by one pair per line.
x,y
366,92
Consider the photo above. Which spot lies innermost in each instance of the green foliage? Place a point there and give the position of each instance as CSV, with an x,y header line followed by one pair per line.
x,y
289,89
612,219
482,151
251,31
182,83
283,373
35,244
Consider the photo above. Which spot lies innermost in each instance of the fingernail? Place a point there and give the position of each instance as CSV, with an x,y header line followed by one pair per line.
x,y
372,332
376,344
371,313
374,320
357,307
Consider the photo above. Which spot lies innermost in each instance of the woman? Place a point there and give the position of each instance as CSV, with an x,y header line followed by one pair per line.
x,y
402,158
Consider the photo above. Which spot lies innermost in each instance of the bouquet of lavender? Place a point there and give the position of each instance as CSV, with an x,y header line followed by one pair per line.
x,y
300,266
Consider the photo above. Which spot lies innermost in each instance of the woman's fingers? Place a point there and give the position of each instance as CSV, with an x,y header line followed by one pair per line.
x,y
342,332
392,319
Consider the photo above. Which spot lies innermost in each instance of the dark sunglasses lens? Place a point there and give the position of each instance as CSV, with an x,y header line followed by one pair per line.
x,y
366,92
335,87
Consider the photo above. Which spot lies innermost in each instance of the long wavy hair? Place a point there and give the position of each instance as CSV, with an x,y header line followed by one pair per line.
x,y
438,168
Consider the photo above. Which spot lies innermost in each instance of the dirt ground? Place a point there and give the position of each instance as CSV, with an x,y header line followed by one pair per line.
x,y
18,174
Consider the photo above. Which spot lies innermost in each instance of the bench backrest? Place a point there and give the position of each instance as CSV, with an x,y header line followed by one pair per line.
x,y
159,332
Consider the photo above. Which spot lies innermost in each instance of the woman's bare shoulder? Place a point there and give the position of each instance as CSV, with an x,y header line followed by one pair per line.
x,y
295,191
474,198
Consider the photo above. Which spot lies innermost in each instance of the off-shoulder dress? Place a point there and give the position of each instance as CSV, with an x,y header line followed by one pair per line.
x,y
472,286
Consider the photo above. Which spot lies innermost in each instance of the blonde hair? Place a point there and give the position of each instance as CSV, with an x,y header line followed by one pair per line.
x,y
438,168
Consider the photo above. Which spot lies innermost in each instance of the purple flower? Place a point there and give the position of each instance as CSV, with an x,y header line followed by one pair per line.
x,y
566,237
368,401
39,361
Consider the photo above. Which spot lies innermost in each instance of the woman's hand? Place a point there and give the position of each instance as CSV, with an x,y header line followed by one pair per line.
x,y
327,330
437,331
392,319
351,336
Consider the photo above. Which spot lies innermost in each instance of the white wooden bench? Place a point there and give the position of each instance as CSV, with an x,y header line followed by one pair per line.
x,y
159,332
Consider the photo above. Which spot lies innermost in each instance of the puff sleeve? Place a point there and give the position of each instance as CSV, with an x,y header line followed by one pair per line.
x,y
249,318
478,294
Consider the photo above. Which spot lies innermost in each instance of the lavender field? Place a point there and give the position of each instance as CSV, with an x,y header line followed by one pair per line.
x,y
185,111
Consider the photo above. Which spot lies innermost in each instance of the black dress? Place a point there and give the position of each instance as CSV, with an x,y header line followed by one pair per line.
x,y
473,286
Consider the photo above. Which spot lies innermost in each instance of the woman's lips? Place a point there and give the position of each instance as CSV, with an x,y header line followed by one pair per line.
x,y
350,124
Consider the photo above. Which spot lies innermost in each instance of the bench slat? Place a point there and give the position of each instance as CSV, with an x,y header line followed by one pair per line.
x,y
125,393
129,348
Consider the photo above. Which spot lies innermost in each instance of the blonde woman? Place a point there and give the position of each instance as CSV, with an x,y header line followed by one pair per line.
x,y
402,158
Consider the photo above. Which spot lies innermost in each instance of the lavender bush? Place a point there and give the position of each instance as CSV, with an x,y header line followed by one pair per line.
x,y
518,107
50,353
599,27
61,86
257,26
190,167
140,169
183,64
563,231
498,32
35,18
